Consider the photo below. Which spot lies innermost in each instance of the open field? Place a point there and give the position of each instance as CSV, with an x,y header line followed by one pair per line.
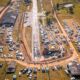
x,y
61,1
48,7
28,36
4,2
22,7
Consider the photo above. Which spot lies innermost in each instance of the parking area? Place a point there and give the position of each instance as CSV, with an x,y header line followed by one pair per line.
x,y
73,30
9,33
28,73
53,42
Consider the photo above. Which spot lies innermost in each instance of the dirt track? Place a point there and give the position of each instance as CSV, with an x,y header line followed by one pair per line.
x,y
61,62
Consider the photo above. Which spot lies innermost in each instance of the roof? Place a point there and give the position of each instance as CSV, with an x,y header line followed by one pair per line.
x,y
9,18
74,69
12,65
68,5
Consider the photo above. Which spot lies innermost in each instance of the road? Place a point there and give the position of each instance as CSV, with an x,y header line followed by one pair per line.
x,y
75,54
4,11
24,41
35,32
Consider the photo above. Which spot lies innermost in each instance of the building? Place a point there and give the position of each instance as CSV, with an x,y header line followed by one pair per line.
x,y
74,69
9,19
11,67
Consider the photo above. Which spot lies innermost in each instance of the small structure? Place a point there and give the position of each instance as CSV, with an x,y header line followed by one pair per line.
x,y
53,47
1,49
74,69
14,77
9,19
68,5
11,67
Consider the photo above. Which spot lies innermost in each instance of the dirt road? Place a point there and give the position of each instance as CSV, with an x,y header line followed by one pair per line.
x,y
4,11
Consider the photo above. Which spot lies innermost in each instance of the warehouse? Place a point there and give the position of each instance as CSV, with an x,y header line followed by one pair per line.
x,y
9,19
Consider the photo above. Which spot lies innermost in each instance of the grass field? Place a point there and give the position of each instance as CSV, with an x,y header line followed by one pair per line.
x,y
64,12
61,1
24,7
77,11
29,37
3,2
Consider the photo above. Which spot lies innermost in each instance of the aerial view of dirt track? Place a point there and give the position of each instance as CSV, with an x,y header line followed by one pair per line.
x,y
39,39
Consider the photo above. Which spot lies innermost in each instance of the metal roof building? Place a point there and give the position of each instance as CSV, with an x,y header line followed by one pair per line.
x,y
68,5
9,19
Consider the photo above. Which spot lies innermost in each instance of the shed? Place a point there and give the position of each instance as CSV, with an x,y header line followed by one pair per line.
x,y
68,5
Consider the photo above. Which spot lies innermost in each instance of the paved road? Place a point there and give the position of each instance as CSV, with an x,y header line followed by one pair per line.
x,y
35,32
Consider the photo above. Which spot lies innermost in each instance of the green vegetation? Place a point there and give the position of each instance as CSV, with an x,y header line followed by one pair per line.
x,y
64,11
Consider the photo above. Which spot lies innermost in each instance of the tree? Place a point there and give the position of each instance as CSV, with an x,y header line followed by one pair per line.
x,y
47,13
71,10
57,6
